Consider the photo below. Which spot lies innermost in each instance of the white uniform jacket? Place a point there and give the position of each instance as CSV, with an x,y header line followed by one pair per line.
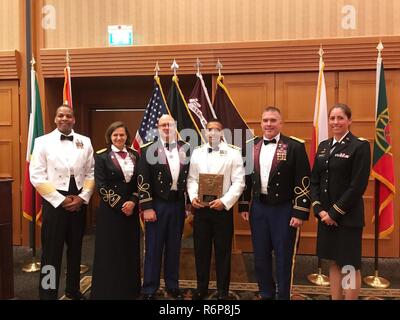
x,y
50,171
229,162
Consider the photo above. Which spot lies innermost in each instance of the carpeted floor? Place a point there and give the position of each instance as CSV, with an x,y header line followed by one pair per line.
x,y
243,284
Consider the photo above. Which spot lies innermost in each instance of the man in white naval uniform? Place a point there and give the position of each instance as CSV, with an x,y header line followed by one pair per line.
x,y
214,223
61,170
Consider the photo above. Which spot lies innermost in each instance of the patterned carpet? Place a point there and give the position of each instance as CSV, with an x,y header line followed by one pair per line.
x,y
248,291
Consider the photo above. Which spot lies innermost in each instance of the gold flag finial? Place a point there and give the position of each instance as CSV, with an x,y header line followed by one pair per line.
x,y
67,58
197,65
380,47
174,66
33,62
157,69
219,66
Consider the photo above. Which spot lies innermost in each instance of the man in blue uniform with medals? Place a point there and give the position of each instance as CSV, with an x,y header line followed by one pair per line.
x,y
278,182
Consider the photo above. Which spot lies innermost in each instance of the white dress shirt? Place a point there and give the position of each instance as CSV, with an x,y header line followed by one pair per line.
x,y
266,157
126,164
174,163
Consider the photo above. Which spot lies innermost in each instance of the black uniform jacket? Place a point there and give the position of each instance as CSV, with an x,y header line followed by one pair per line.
x,y
154,175
339,180
110,180
289,179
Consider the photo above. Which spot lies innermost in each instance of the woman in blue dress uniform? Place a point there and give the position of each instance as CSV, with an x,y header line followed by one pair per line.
x,y
116,268
338,181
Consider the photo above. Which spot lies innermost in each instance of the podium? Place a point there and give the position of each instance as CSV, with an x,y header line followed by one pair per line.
x,y
6,249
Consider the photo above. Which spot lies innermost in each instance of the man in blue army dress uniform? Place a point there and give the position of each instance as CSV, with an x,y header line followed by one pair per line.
x,y
162,173
279,184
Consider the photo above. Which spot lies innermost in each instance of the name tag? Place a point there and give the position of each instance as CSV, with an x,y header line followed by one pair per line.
x,y
342,155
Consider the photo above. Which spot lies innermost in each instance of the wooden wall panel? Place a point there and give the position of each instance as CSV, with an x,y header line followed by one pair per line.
x,y
9,24
10,148
251,93
9,68
84,23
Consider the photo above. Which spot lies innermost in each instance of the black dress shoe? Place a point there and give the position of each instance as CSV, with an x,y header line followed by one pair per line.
x,y
199,295
75,296
149,296
175,293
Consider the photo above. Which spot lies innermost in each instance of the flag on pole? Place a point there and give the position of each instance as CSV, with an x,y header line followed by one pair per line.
x,y
67,91
181,113
382,160
230,117
32,205
156,107
320,123
199,103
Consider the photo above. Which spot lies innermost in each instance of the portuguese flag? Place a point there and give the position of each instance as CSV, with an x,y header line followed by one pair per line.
x,y
382,168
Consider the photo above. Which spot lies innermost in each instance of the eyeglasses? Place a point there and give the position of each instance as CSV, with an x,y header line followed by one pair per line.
x,y
166,125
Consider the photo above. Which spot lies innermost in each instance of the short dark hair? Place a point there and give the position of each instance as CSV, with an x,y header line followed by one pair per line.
x,y
66,106
271,108
112,127
215,121
344,107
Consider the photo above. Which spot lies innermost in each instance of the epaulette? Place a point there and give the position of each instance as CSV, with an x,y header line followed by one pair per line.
x,y
101,151
297,139
146,144
185,142
362,139
234,147
132,148
255,137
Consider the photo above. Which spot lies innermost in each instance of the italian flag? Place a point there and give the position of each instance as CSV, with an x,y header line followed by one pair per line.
x,y
32,201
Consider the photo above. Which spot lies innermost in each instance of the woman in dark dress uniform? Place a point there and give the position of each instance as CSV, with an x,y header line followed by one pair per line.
x,y
116,267
338,181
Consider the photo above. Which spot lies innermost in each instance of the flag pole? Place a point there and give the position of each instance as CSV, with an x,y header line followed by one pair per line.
x,y
83,267
376,281
197,66
319,278
34,265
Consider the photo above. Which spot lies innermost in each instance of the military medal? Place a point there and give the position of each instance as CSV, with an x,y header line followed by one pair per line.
x,y
79,144
281,152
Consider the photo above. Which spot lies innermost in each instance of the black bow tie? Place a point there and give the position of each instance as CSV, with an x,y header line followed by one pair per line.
x,y
213,149
269,141
170,146
64,137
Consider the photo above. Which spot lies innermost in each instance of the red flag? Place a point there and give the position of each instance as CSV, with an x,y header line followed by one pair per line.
x,y
382,168
230,117
32,203
67,92
320,123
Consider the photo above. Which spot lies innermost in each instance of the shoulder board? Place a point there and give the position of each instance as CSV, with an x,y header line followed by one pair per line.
x,y
146,144
362,139
234,147
101,151
297,139
254,138
131,149
185,142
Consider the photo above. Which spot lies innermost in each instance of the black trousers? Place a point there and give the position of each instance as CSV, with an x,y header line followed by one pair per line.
x,y
59,226
213,227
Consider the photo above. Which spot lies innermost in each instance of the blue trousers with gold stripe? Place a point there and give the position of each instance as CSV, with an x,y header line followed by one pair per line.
x,y
163,237
270,231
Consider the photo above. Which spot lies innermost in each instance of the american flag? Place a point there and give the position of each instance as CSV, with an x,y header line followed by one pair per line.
x,y
154,110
